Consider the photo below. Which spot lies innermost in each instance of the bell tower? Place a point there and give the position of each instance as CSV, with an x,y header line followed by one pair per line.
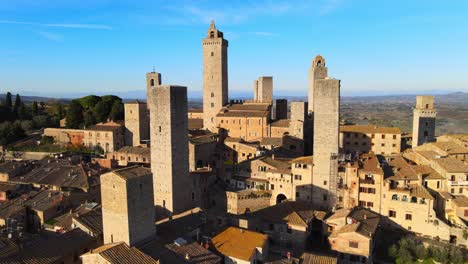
x,y
317,71
215,76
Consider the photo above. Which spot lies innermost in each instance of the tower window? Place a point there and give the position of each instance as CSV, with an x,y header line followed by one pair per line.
x,y
212,94
159,128
426,133
212,104
152,82
212,54
212,34
427,106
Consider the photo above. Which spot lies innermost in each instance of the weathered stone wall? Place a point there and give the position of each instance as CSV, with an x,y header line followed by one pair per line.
x,y
424,115
169,148
317,71
136,123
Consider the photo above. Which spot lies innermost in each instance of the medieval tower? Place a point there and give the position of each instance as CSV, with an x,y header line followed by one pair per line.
x,y
215,76
127,206
136,123
169,148
263,89
317,71
326,138
152,79
424,116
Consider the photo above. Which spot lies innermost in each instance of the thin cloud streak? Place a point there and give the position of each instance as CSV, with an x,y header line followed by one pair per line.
x,y
77,26
50,36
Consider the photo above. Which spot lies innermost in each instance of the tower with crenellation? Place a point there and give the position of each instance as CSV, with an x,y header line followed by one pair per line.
x,y
424,117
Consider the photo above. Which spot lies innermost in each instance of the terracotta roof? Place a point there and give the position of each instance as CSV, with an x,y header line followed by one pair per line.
x,y
195,110
370,129
304,160
281,123
461,200
415,190
132,172
135,150
121,253
276,163
294,213
108,126
312,258
275,141
196,253
242,114
427,172
91,220
370,163
239,243
339,214
364,222
450,147
452,164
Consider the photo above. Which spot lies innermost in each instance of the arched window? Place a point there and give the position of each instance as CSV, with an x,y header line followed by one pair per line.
x,y
319,62
211,34
152,82
212,94
395,197
414,199
404,198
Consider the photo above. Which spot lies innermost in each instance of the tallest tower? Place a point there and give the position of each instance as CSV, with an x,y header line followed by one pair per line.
x,y
215,76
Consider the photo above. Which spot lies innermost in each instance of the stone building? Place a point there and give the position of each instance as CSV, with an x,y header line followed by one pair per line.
x,y
281,109
326,136
248,121
152,79
215,76
298,119
136,123
131,155
424,115
317,71
263,89
127,206
109,136
361,139
169,148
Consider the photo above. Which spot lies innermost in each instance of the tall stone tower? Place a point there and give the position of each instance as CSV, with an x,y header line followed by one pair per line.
x,y
325,147
152,79
298,119
169,148
127,206
136,123
263,89
424,116
317,71
215,76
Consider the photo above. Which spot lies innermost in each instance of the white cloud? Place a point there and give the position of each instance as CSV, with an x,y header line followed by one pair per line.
x,y
78,26
50,36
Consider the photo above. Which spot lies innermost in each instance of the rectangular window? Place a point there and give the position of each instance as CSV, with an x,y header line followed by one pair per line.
x,y
392,213
362,203
383,136
353,244
408,217
297,177
272,187
370,204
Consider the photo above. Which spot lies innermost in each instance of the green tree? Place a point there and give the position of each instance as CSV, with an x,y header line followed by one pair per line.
x,y
17,104
421,252
101,111
34,108
23,113
89,119
47,140
59,111
27,125
117,111
393,251
74,115
88,102
8,101
41,121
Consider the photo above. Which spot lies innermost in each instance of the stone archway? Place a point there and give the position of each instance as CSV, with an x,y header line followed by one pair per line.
x,y
280,198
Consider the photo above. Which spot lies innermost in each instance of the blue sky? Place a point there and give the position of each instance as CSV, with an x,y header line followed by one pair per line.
x,y
70,47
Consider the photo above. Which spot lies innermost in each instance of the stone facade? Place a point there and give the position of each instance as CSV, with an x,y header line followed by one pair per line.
x,y
263,89
326,136
317,71
424,115
169,148
127,206
247,201
136,123
362,139
298,119
215,76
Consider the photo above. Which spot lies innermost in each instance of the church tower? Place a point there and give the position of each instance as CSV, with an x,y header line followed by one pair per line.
x,y
215,76
152,79
424,116
317,71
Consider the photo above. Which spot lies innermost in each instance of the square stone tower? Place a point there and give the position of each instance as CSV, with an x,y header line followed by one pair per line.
x,y
263,89
169,148
424,117
326,140
281,109
152,79
136,123
127,206
215,76
298,119
317,71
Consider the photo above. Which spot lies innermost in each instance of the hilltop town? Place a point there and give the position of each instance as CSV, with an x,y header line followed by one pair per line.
x,y
262,180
